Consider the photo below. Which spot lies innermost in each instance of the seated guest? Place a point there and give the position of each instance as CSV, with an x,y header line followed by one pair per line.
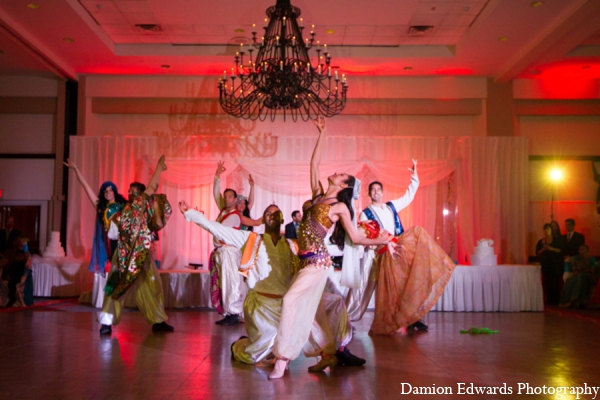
x,y
14,274
572,240
9,235
579,288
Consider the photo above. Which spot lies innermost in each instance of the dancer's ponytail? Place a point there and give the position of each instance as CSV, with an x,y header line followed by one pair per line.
x,y
344,196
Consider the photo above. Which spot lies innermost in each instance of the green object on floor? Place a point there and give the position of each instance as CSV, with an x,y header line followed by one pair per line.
x,y
477,331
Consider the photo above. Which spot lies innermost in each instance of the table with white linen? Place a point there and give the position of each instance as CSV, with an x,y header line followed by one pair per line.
x,y
60,277
509,288
181,288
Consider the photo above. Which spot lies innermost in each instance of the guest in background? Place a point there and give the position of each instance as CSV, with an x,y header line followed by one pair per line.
x,y
548,251
572,240
557,233
579,288
8,235
291,229
14,274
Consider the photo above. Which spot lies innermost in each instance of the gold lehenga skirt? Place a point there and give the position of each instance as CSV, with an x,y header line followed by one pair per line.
x,y
410,283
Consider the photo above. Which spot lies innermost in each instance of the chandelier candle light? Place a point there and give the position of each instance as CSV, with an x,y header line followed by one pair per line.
x,y
282,77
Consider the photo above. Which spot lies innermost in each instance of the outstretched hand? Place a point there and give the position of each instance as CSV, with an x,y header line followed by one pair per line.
x,y
70,164
319,123
220,168
183,207
161,166
414,167
250,180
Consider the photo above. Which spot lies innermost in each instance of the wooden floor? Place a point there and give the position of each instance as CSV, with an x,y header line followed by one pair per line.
x,y
51,353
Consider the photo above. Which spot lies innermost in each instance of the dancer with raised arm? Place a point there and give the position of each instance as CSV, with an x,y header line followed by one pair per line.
x,y
408,285
107,203
302,302
133,268
269,264
227,290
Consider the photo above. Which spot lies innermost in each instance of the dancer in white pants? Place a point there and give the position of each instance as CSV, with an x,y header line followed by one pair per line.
x,y
301,303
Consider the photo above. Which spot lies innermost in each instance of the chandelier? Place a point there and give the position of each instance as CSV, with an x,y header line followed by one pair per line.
x,y
282,76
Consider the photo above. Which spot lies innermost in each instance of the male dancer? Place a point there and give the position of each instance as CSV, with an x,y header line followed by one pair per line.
x,y
386,215
133,271
227,291
269,263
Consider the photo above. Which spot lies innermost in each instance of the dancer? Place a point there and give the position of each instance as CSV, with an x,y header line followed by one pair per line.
x,y
408,285
302,302
107,203
269,264
227,291
244,204
133,271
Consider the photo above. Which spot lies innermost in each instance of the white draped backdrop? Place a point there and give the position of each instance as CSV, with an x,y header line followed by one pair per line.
x,y
481,183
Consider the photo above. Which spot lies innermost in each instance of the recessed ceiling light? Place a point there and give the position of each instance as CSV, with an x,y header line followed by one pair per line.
x,y
329,31
503,38
239,31
408,68
165,66
33,6
537,3
68,40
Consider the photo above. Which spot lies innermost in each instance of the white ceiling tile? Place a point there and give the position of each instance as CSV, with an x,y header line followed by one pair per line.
x,y
357,40
458,20
466,8
100,6
180,29
433,20
446,31
432,8
209,30
391,30
360,30
385,40
141,18
119,29
106,18
133,6
435,40
421,40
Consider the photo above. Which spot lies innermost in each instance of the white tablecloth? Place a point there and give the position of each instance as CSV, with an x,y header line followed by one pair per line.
x,y
60,277
181,288
498,288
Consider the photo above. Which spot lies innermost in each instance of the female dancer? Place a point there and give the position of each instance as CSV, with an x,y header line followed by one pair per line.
x,y
244,205
301,303
107,203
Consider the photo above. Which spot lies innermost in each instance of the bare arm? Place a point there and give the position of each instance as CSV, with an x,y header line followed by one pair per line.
x,y
316,158
251,195
86,187
217,185
251,222
339,212
408,197
153,184
230,236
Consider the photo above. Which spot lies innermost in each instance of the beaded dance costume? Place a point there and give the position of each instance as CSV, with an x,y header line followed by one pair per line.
x,y
311,236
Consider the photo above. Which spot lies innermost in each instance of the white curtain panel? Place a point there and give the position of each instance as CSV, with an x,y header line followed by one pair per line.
x,y
490,182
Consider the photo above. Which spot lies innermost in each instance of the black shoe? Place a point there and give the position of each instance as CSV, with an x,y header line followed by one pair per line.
x,y
418,326
222,321
162,327
347,359
230,320
105,330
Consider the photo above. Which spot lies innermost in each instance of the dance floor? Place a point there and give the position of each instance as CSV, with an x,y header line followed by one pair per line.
x,y
51,353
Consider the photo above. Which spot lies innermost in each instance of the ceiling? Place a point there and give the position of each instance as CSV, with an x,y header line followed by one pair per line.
x,y
502,39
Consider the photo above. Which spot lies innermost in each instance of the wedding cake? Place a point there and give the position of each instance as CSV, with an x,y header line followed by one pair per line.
x,y
484,253
54,249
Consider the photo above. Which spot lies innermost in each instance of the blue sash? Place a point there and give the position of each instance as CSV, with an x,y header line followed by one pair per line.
x,y
398,229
